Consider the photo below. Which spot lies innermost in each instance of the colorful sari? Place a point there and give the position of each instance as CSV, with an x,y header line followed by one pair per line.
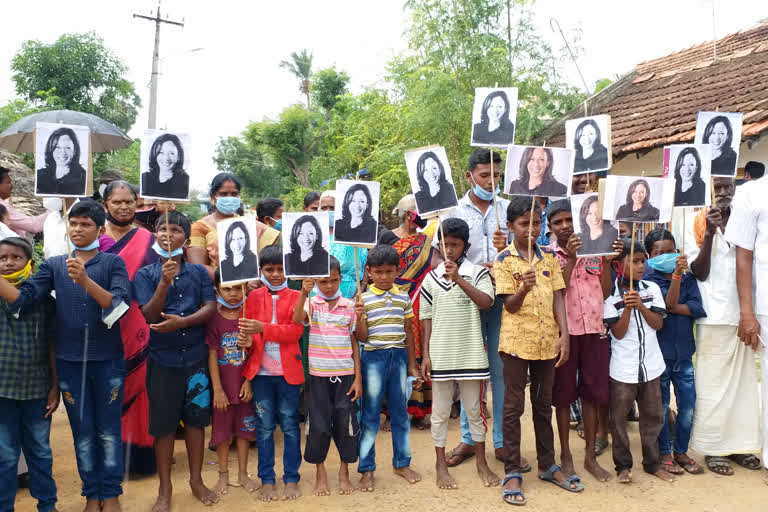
x,y
138,451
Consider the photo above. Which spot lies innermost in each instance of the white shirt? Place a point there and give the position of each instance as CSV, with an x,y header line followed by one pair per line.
x,y
638,351
481,227
748,229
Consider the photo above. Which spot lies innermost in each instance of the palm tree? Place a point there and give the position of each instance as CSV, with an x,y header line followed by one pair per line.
x,y
300,66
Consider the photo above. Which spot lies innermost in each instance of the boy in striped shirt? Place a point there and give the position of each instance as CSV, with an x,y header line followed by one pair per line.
x,y
452,297
387,360
334,382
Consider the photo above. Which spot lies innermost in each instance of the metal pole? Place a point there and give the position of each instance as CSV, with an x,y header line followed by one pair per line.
x,y
155,72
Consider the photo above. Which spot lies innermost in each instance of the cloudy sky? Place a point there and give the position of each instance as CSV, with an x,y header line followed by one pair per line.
x,y
221,70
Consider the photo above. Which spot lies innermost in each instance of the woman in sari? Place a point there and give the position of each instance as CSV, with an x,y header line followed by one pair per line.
x,y
134,245
415,250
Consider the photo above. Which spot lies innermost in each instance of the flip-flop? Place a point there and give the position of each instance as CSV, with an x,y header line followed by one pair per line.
x,y
719,465
600,445
580,430
512,493
672,467
549,476
746,460
690,466
461,455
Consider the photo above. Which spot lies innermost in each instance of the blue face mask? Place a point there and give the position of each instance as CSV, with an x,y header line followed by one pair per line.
x,y
278,225
664,262
271,287
320,294
164,254
330,217
228,305
483,194
227,205
93,245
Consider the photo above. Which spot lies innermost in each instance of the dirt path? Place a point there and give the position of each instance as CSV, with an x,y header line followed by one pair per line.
x,y
708,492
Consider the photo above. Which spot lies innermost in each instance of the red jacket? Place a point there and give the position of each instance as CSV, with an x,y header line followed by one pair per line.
x,y
258,306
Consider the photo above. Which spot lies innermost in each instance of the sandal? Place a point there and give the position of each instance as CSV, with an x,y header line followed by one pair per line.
x,y
719,465
671,466
462,456
600,445
549,476
580,430
746,460
509,495
690,466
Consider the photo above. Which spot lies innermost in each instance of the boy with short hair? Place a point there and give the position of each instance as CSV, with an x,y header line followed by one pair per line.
x,y
29,389
454,349
275,371
335,381
633,313
387,361
92,293
534,338
177,300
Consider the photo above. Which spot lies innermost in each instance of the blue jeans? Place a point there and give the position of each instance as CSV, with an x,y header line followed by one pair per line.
x,y
274,400
491,328
22,426
680,373
93,396
385,374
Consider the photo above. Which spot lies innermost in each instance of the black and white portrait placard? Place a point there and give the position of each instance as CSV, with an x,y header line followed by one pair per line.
x,y
431,180
238,250
689,165
493,117
356,219
61,160
538,171
590,140
306,244
165,164
722,131
638,199
596,234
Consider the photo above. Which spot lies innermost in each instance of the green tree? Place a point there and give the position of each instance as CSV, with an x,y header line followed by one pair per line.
x,y
260,176
327,86
300,66
126,160
83,74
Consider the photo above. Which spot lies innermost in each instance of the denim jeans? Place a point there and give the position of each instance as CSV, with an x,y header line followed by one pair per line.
x,y
491,329
385,374
93,396
680,373
22,426
274,400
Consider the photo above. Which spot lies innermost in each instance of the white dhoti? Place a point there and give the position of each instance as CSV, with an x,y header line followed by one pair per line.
x,y
727,416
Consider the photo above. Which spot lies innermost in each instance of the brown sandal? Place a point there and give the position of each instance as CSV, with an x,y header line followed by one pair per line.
x,y
690,466
671,466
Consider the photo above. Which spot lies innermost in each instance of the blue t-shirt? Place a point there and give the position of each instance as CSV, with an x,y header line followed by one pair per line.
x,y
191,288
84,330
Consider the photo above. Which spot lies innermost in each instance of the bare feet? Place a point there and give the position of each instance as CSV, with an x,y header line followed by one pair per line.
x,y
268,492
92,506
321,481
566,464
111,505
366,483
221,486
488,477
248,483
624,476
345,486
443,478
408,474
292,491
386,426
665,475
201,492
597,471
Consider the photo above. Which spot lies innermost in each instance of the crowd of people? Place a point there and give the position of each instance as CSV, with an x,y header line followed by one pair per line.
x,y
142,341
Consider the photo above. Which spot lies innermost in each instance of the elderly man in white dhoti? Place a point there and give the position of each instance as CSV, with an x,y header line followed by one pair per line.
x,y
747,230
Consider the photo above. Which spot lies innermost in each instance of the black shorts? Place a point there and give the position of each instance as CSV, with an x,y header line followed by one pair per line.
x,y
177,394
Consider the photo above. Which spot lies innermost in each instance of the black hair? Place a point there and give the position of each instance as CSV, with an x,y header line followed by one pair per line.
x,y
631,190
657,235
267,207
51,145
221,179
175,217
483,156
561,205
711,127
487,104
91,209
4,171
345,213
456,228
157,146
753,169
114,185
421,167
17,241
519,206
627,248
296,229
334,265
3,211
230,233
580,130
679,163
524,175
383,255
311,197
271,255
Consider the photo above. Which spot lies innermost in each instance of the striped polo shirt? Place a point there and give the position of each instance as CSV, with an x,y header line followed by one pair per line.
x,y
385,312
330,345
456,345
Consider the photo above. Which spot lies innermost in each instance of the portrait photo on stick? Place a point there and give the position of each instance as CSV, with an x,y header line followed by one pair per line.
x,y
689,165
356,219
538,171
238,249
61,160
306,243
596,234
431,180
590,140
722,131
493,117
165,163
638,199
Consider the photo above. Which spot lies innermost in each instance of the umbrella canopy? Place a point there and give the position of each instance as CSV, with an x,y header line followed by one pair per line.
x,y
105,136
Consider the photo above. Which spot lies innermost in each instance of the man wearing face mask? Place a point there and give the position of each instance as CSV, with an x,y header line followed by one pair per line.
x,y
270,211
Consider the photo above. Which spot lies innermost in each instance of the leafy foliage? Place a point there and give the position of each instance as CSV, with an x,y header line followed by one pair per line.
x,y
260,176
300,66
327,86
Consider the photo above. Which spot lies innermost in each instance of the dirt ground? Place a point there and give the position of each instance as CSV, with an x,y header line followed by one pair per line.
x,y
744,491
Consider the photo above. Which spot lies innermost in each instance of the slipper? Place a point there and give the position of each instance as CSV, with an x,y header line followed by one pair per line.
x,y
580,430
600,445
746,460
690,466
549,476
719,465
512,493
671,466
461,455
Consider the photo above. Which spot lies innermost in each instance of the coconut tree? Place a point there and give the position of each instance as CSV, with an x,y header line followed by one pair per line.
x,y
300,66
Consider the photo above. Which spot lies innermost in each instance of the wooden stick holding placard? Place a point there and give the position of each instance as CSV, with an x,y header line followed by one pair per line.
x,y
442,243
357,274
713,205
493,188
242,287
631,258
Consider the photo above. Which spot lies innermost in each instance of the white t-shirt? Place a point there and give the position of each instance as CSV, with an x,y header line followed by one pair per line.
x,y
636,357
